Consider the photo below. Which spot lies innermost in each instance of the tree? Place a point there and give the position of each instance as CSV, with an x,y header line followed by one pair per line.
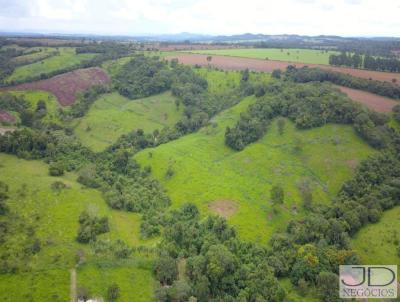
x,y
113,292
276,73
166,270
306,194
281,126
328,286
277,194
396,113
3,197
56,169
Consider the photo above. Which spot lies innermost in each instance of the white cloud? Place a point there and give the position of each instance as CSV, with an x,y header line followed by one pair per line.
x,y
312,17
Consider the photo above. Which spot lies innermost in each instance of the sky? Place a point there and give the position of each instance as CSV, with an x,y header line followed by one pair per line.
x,y
217,17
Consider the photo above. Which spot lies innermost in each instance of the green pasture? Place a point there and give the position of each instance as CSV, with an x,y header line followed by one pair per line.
x,y
34,96
378,243
206,170
26,58
307,56
113,115
66,58
53,215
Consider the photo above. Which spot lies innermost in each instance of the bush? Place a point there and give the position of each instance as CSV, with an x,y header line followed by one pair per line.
x,y
113,292
56,169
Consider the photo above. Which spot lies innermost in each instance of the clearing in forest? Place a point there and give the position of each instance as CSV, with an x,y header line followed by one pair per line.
x,y
113,115
206,170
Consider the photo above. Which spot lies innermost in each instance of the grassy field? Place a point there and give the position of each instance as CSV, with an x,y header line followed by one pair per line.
x,y
206,171
308,56
113,115
54,217
113,66
377,243
67,58
43,53
219,81
34,96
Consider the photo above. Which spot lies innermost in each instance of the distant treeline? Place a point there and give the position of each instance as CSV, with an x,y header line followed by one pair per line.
x,y
367,62
372,47
305,74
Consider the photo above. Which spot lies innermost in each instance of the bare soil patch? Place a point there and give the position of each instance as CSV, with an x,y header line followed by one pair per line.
x,y
66,86
224,208
352,163
238,63
5,130
372,101
6,117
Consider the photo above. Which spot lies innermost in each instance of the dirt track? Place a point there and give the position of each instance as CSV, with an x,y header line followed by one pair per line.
x,y
238,63
372,101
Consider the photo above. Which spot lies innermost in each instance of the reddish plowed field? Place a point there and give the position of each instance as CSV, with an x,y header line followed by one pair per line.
x,y
372,101
66,86
6,117
237,63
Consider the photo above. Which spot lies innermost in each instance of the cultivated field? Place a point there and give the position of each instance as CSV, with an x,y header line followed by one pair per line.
x,y
66,86
47,273
213,176
378,243
308,56
236,63
372,101
66,58
113,115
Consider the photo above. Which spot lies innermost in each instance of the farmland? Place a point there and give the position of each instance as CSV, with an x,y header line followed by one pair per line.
x,y
307,56
66,86
372,101
66,58
206,171
47,274
237,63
113,115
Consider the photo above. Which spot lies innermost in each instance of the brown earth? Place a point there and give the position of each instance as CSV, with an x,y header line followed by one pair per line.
x,y
6,117
224,208
66,86
238,63
372,101
5,130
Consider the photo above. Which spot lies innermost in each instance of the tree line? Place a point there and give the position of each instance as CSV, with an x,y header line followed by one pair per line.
x,y
305,74
368,62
